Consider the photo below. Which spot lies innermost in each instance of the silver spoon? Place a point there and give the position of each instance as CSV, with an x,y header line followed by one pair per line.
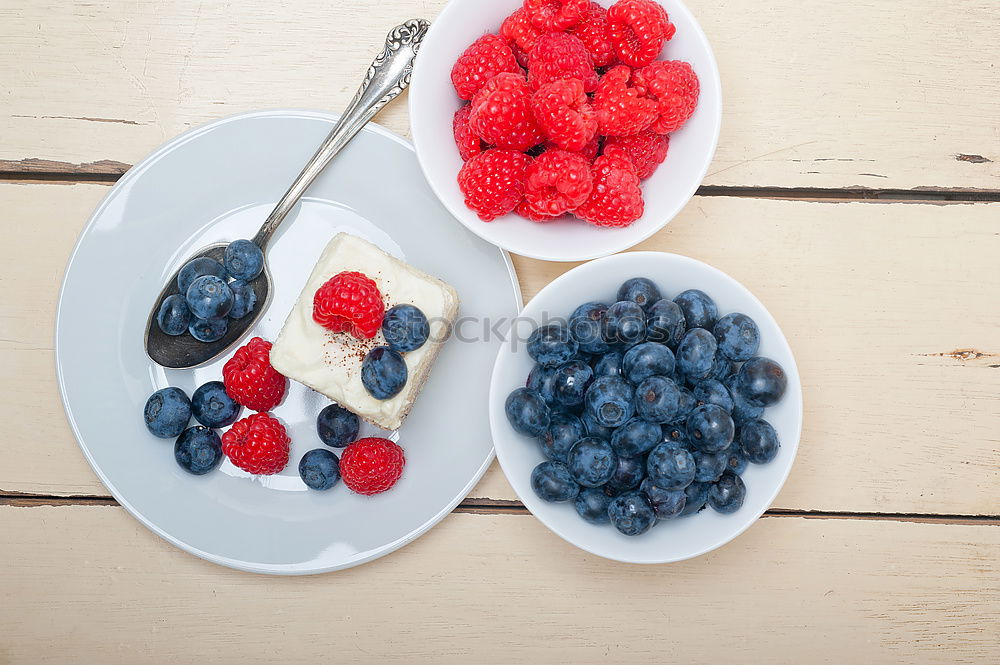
x,y
387,77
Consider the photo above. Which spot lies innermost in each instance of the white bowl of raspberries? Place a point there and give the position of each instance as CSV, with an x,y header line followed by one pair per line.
x,y
565,130
646,408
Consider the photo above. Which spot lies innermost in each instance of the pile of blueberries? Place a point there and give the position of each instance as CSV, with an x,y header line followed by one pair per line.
x,y
198,449
648,409
207,299
383,370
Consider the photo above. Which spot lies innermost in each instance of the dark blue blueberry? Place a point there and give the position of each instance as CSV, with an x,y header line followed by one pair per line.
x,y
687,405
209,297
667,504
759,441
610,364
208,330
527,412
726,495
742,409
628,474
665,323
570,382
383,372
631,513
710,428
540,380
167,412
563,431
636,437
592,505
696,354
676,433
553,482
736,459
647,359
738,336
591,461
198,450
697,497
657,400
173,316
609,400
761,382
552,345
709,466
244,299
711,391
243,260
595,428
625,324
337,427
319,469
699,309
405,328
585,325
670,467
213,407
196,268
639,290
722,368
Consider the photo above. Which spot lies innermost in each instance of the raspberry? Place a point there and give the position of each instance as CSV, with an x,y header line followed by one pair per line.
x,y
621,109
563,110
638,29
372,465
522,35
616,199
250,379
557,182
593,32
674,87
501,114
555,15
468,143
646,150
525,210
488,56
349,302
257,444
493,182
589,151
557,56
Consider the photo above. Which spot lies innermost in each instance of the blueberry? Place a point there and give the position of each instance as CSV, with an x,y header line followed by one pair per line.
x,y
726,494
639,290
213,407
173,316
591,461
167,412
665,323
383,372
552,345
699,309
657,400
631,513
636,437
628,474
244,299
711,391
563,431
742,409
624,323
337,427
667,504
196,268
592,505
610,364
553,482
709,466
710,428
676,433
687,405
670,467
736,459
609,400
198,450
319,469
208,330
405,328
761,382
696,354
647,359
595,428
697,497
738,336
722,368
540,380
570,382
209,297
243,260
527,412
585,325
759,441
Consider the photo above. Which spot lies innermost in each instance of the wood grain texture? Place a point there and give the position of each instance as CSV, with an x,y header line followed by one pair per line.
x,y
818,94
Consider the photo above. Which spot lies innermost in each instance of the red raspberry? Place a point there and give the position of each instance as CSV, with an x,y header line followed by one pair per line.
x,y
555,15
349,302
646,151
557,56
372,465
617,198
621,109
501,114
250,379
563,110
468,142
488,56
588,152
525,210
557,182
638,29
258,444
593,32
522,35
493,182
674,86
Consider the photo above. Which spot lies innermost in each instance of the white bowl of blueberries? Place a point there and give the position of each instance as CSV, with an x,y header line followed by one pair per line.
x,y
646,408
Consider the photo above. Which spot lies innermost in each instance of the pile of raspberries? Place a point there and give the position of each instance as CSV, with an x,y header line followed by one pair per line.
x,y
569,110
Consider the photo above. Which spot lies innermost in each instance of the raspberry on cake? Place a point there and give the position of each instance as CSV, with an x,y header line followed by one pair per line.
x,y
331,362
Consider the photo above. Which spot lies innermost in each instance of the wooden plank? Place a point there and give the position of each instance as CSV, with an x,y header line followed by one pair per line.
x,y
851,94
496,589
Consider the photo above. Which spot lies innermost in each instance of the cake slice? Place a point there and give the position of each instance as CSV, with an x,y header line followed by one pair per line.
x,y
330,363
